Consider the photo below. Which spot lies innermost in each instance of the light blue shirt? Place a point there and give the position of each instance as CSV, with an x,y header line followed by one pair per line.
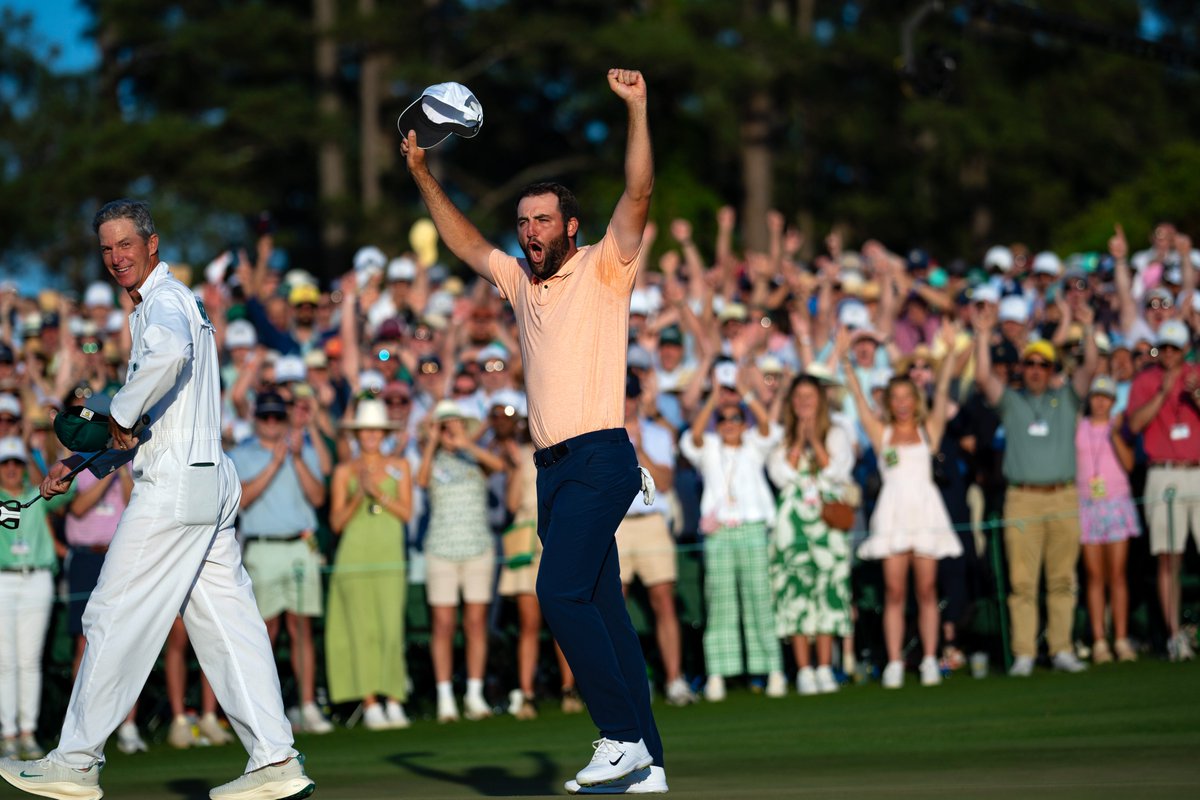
x,y
282,509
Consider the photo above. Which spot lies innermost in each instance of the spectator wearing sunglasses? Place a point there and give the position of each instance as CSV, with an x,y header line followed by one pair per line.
x,y
1163,409
1157,303
1042,504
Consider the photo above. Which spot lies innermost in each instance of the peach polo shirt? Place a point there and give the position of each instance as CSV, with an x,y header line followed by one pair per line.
x,y
574,334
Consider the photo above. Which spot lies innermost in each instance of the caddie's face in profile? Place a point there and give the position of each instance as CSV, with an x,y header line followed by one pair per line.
x,y
127,256
545,237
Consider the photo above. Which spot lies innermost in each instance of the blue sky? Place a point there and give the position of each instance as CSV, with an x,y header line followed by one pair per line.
x,y
61,23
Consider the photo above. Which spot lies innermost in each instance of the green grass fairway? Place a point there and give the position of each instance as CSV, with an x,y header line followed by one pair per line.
x,y
1121,731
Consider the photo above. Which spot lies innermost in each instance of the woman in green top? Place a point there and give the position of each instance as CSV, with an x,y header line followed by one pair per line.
x,y
364,637
28,562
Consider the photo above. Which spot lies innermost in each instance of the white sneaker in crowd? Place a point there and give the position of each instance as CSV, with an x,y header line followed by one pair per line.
x,y
1101,652
1179,648
475,708
893,675
129,741
47,778
679,693
313,720
286,780
9,748
651,780
714,689
776,685
1124,650
931,671
447,710
613,760
180,735
375,718
30,749
826,683
806,681
397,719
1066,661
1022,667
211,729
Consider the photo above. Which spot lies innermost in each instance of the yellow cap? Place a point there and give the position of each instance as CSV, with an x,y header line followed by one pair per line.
x,y
1040,348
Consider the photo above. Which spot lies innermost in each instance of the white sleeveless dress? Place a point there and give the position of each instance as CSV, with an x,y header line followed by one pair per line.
x,y
910,515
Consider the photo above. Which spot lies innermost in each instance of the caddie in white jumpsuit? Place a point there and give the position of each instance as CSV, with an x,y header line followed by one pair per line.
x,y
174,549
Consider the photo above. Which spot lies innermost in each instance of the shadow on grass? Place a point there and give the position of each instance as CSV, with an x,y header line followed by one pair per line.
x,y
189,788
490,780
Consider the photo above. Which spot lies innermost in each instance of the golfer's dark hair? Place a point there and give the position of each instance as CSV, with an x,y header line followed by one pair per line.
x,y
135,211
567,203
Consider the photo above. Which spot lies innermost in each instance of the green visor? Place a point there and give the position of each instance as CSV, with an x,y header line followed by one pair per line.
x,y
82,430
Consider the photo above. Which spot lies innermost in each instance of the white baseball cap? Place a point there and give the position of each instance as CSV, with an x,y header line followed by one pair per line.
x,y
371,380
11,447
9,404
639,303
442,109
1173,333
725,374
854,315
98,293
985,293
1014,309
240,333
368,258
401,268
1047,263
492,352
639,357
510,398
998,257
290,369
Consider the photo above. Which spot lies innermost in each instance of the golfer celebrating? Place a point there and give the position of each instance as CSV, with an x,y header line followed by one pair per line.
x,y
174,549
572,310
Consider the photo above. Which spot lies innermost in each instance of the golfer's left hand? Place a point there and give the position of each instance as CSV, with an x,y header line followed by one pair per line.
x,y
627,84
122,438
53,484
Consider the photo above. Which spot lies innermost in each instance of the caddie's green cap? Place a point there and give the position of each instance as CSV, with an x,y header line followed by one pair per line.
x,y
82,429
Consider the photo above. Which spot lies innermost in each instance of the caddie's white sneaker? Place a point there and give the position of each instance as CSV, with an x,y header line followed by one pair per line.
x,y
285,781
129,741
1022,667
776,685
375,718
651,780
893,675
931,672
806,681
396,717
826,683
714,689
47,778
614,760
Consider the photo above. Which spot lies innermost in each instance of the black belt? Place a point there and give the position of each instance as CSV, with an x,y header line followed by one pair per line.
x,y
22,570
98,549
295,538
548,456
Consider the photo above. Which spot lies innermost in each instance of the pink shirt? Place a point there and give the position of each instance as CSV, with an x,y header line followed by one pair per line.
x,y
1095,457
574,333
98,525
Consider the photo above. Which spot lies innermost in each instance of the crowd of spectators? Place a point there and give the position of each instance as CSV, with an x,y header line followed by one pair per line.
x,y
805,421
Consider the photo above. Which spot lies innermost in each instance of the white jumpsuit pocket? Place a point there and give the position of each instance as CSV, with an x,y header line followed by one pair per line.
x,y
198,502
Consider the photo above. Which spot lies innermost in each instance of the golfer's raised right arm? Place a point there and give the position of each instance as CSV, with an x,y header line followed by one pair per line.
x,y
459,234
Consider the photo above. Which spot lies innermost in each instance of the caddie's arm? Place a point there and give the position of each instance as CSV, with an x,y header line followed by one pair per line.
x,y
458,232
633,208
166,347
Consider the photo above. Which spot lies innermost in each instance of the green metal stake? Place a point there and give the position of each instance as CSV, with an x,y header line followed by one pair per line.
x,y
1001,599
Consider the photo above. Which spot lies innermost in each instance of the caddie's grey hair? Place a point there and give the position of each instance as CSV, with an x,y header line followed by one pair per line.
x,y
135,211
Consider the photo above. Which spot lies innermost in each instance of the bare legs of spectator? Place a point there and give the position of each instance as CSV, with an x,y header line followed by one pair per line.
x,y
1105,564
1168,590
304,663
801,650
666,627
895,579
175,670
442,652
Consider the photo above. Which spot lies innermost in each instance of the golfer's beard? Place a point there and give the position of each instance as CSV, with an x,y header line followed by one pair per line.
x,y
554,254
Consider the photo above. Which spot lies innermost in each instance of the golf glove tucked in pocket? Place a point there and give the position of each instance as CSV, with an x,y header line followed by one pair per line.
x,y
647,486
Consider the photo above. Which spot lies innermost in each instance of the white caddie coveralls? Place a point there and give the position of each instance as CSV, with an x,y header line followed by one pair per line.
x,y
175,548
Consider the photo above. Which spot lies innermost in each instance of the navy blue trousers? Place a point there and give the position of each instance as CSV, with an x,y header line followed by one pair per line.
x,y
584,487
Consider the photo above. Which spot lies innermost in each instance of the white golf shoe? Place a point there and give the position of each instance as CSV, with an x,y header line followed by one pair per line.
x,y
285,781
614,760
47,778
651,780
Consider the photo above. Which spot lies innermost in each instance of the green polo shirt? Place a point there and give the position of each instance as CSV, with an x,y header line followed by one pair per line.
x,y
1039,434
32,544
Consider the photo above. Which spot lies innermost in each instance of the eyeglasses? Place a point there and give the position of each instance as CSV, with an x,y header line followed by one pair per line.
x,y
273,416
1035,363
1159,303
730,418
1165,347
83,392
398,401
7,419
430,368
495,365
1078,285
920,365
91,348
10,461
502,411
423,334
1147,352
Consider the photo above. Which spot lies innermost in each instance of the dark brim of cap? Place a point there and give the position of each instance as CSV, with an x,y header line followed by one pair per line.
x,y
82,430
430,133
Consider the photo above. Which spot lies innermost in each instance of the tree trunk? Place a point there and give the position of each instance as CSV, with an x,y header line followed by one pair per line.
x,y
372,144
331,160
756,170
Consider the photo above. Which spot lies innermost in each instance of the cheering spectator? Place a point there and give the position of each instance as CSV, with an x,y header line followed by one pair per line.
x,y
364,639
810,559
1107,517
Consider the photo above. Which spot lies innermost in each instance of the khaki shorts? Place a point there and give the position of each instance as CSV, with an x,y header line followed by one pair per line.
x,y
1185,511
286,577
646,550
522,580
446,581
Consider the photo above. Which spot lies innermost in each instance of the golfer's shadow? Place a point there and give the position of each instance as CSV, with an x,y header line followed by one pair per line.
x,y
189,788
490,780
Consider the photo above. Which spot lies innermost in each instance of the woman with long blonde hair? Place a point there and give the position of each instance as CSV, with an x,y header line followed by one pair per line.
x,y
910,529
809,559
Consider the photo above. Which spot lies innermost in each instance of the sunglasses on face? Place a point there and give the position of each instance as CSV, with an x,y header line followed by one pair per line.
x,y
1172,347
1078,285
495,365
502,411
922,366
9,420
729,418
1160,303
8,462
1035,363
430,368
83,392
90,348
1147,353
463,389
272,417
422,334
397,401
